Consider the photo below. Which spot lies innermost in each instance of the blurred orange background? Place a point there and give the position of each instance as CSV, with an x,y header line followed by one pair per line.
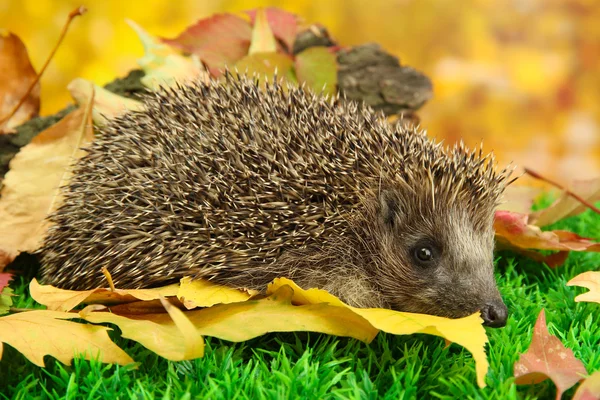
x,y
521,75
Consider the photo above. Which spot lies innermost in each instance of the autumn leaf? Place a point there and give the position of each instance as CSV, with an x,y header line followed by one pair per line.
x,y
4,279
17,75
65,300
5,300
107,105
567,206
163,65
283,24
203,293
263,40
317,67
519,199
514,229
467,332
591,281
31,187
266,65
218,41
38,333
589,388
548,358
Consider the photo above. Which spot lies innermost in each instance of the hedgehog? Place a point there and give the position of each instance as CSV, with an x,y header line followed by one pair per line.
x,y
240,182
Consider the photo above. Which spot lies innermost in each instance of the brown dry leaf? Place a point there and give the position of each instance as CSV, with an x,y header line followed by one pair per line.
x,y
467,332
31,187
65,300
548,358
589,389
567,206
17,75
42,332
589,280
203,293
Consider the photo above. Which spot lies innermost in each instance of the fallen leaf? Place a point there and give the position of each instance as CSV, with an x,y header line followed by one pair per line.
x,y
467,332
519,199
163,65
107,105
567,206
38,333
5,301
17,75
263,40
548,358
514,229
65,300
192,342
218,41
202,293
589,388
589,280
284,25
317,67
31,187
267,65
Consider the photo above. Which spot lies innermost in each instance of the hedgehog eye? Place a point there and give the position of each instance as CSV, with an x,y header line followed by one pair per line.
x,y
424,254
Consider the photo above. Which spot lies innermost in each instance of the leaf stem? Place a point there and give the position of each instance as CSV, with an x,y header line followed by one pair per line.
x,y
78,11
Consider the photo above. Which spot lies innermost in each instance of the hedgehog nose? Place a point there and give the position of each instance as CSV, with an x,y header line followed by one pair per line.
x,y
494,314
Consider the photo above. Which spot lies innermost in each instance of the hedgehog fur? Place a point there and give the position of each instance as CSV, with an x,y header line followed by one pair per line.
x,y
241,183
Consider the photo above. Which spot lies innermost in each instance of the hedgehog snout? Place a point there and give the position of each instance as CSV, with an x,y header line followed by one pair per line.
x,y
494,314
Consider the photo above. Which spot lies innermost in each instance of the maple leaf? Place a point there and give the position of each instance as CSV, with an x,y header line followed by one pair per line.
x,y
17,75
283,24
589,388
163,65
317,66
107,105
548,358
220,40
591,281
31,188
38,333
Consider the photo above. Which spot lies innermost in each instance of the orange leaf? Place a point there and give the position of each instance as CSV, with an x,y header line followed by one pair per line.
x,y
17,75
548,358
31,187
589,280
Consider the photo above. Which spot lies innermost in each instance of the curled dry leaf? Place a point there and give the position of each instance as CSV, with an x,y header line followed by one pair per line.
x,y
591,281
107,105
589,389
548,358
163,65
17,74
31,187
38,333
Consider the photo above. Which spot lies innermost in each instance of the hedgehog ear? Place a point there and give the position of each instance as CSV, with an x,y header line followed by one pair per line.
x,y
389,205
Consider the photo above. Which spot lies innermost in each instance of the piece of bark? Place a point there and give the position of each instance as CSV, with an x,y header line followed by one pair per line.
x,y
314,36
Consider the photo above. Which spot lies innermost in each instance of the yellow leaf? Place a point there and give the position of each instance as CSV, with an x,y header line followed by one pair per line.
x,y
31,187
193,342
107,105
65,300
589,280
263,40
203,293
163,65
468,331
589,388
41,332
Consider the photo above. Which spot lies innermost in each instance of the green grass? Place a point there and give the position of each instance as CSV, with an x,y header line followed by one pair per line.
x,y
308,365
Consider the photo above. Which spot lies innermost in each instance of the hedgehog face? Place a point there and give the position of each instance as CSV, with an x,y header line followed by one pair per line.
x,y
439,260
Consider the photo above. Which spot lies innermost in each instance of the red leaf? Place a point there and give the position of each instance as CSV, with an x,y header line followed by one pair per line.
x,y
218,41
283,24
548,358
4,279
